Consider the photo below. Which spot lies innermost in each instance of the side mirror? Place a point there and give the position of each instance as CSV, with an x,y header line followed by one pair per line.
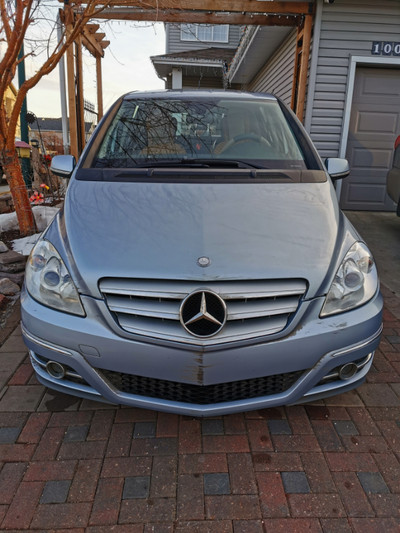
x,y
63,165
337,168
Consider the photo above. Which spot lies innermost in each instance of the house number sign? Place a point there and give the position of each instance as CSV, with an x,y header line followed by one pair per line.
x,y
382,48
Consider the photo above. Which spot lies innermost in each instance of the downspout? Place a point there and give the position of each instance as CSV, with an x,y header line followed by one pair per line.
x,y
312,79
63,97
167,33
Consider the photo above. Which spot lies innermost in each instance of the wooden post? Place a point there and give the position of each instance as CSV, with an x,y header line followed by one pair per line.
x,y
305,55
79,90
99,88
295,84
73,133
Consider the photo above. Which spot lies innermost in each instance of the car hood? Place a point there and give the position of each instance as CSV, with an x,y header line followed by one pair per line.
x,y
160,230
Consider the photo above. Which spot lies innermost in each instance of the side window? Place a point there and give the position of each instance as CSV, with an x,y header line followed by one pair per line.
x,y
217,33
188,32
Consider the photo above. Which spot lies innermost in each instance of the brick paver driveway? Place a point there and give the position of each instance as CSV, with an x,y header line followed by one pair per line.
x,y
74,465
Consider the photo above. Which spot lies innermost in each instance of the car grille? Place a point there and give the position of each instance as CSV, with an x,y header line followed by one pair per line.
x,y
255,308
199,394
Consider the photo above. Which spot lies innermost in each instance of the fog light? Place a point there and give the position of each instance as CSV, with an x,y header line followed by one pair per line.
x,y
347,371
56,370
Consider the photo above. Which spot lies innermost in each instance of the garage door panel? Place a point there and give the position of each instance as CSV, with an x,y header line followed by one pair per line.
x,y
363,157
374,126
373,194
374,84
369,178
376,122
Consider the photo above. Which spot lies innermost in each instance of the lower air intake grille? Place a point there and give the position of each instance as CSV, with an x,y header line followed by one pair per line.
x,y
198,394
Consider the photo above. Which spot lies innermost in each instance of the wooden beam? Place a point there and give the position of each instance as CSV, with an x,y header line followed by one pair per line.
x,y
92,28
305,55
89,46
295,83
79,90
229,6
99,84
91,43
199,18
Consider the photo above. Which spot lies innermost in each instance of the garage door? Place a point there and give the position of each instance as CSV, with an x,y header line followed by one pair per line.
x,y
374,126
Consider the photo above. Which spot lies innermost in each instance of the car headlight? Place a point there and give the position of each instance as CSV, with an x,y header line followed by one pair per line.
x,y
355,283
49,282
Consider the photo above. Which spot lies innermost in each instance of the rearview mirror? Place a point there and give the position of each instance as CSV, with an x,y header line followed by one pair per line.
x,y
63,165
337,168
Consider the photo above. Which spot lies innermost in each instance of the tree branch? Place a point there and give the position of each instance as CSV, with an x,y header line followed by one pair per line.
x,y
8,64
4,19
88,13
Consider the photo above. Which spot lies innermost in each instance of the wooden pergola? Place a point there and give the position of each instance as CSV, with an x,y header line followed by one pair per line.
x,y
94,42
242,12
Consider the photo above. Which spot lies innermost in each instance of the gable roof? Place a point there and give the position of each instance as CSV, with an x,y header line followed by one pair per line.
x,y
205,58
210,54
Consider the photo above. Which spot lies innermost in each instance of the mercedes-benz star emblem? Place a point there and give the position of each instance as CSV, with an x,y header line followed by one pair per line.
x,y
203,262
203,313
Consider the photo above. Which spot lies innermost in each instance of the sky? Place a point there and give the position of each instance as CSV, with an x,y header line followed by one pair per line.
x,y
126,66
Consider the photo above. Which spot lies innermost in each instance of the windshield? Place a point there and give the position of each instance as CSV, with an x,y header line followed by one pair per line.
x,y
200,132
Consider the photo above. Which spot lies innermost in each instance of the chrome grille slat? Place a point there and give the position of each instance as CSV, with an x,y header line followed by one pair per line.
x,y
176,289
145,307
262,307
167,329
151,307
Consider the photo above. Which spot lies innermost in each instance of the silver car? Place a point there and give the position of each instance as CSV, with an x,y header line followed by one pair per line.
x,y
200,264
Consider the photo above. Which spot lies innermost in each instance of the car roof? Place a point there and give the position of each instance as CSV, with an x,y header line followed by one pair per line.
x,y
198,93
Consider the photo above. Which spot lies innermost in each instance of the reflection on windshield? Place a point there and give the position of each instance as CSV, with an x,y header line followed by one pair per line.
x,y
251,133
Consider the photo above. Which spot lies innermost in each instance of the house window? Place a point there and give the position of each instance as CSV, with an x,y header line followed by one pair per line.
x,y
218,33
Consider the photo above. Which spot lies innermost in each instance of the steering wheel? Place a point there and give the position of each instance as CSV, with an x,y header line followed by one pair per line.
x,y
245,137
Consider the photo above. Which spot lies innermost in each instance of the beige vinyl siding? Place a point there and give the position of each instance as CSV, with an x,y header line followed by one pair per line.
x,y
348,28
277,74
204,83
174,43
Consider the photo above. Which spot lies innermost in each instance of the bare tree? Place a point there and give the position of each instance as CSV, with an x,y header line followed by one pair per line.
x,y
17,16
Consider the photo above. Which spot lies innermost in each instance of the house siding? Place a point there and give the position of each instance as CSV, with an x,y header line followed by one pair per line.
x,y
205,83
277,74
196,83
348,28
174,43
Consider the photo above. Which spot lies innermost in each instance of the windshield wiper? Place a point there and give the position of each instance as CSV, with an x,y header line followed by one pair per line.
x,y
198,163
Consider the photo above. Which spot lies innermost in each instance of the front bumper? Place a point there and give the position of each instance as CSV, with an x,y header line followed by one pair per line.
x,y
92,347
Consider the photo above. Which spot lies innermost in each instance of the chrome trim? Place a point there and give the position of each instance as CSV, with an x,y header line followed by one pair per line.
x,y
64,383
361,365
152,307
44,344
359,346
40,363
62,371
203,314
